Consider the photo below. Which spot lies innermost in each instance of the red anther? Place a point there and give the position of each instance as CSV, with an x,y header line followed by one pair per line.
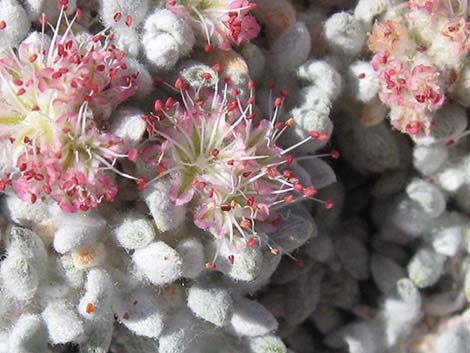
x,y
231,259
161,168
314,134
299,263
78,14
278,102
42,20
179,83
361,75
251,84
225,207
158,105
88,98
228,81
420,98
199,101
186,86
272,171
17,82
217,67
246,174
33,58
251,100
298,187
100,68
246,223
39,177
289,159
194,181
251,201
210,192
294,181
128,21
33,198
233,105
310,192
323,136
201,185
231,162
210,265
56,75
284,93
450,142
97,38
275,252
94,87
235,92
287,174
20,92
215,152
3,25
329,204
288,198
206,76
276,222
2,185
132,155
251,242
251,116
208,48
26,139
12,140
271,85
169,103
335,154
46,189
60,50
279,126
141,184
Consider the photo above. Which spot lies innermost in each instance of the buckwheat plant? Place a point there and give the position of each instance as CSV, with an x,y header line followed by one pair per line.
x,y
421,56
55,96
219,23
224,161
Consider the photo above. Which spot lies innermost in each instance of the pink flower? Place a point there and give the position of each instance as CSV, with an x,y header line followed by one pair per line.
x,y
389,38
223,161
458,32
222,23
410,121
425,87
54,95
394,82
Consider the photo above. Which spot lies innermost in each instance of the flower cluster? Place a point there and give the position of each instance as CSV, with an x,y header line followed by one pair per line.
x,y
419,52
218,22
56,94
224,160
